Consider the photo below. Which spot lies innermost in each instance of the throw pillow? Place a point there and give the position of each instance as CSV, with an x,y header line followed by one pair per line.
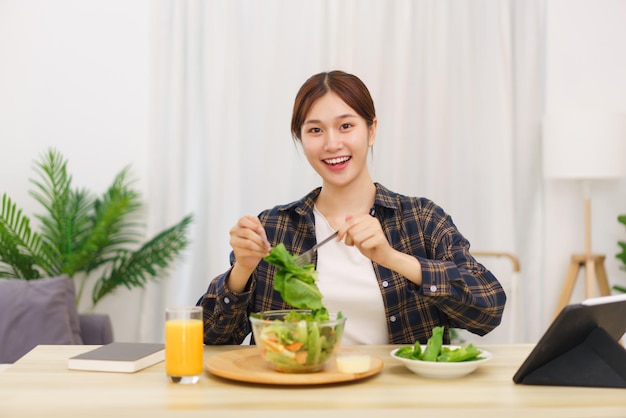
x,y
34,312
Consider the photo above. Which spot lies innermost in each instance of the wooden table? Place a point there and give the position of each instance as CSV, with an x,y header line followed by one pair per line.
x,y
40,385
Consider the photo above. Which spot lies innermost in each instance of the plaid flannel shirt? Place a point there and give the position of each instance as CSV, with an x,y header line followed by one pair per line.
x,y
456,290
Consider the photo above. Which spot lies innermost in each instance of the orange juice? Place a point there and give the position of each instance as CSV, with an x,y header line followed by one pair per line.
x,y
183,347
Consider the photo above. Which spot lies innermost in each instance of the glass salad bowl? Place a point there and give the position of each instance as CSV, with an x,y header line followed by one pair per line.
x,y
293,341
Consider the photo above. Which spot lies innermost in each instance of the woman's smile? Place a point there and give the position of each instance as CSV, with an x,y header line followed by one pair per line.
x,y
337,163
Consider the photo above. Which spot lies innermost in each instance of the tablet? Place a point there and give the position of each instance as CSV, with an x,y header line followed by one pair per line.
x,y
581,346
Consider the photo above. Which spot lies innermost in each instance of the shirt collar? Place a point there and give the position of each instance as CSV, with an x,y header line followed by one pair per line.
x,y
384,198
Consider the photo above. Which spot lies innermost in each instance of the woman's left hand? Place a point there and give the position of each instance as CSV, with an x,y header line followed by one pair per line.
x,y
365,233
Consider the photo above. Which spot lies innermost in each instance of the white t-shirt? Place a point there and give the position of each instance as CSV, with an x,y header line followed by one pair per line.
x,y
348,284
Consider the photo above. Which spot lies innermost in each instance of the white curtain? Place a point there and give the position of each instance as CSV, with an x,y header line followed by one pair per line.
x,y
457,86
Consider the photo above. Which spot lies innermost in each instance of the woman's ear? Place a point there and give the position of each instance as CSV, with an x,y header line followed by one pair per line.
x,y
372,133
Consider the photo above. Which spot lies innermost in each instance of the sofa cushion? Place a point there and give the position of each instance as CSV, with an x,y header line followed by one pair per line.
x,y
34,312
96,329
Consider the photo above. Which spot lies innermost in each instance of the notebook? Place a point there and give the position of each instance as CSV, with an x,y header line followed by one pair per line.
x,y
581,347
123,357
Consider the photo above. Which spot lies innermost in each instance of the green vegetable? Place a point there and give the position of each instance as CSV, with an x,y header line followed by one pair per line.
x,y
465,353
435,351
296,284
410,351
433,346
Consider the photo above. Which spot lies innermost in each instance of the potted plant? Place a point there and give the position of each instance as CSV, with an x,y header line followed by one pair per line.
x,y
85,236
621,255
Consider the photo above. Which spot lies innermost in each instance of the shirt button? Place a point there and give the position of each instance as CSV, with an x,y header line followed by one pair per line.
x,y
385,283
433,288
226,300
392,318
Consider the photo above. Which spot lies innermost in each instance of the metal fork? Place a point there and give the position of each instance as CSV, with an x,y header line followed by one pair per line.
x,y
306,257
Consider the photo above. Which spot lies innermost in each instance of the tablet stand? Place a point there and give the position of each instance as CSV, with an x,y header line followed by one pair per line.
x,y
599,361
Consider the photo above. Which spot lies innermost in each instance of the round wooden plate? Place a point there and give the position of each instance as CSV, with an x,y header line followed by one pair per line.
x,y
246,365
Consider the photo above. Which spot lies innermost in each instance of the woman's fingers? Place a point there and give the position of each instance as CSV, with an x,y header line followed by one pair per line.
x,y
366,233
249,241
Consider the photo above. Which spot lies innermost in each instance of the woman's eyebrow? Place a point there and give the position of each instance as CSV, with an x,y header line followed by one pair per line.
x,y
344,116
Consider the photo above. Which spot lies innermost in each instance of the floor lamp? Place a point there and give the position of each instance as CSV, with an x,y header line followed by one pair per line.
x,y
585,146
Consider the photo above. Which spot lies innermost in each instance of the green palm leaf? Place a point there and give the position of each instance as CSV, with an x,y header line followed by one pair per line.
x,y
21,249
52,192
82,234
112,226
135,269
621,255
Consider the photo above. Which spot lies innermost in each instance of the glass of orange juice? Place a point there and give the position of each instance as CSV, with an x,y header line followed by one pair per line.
x,y
183,343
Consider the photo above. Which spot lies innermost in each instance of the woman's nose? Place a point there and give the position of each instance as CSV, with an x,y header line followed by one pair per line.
x,y
333,141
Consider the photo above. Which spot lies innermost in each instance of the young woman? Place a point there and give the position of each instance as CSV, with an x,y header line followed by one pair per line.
x,y
399,266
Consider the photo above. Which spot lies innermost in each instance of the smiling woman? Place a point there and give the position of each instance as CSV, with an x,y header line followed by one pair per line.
x,y
396,261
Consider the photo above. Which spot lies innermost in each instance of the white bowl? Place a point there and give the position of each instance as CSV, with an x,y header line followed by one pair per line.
x,y
442,370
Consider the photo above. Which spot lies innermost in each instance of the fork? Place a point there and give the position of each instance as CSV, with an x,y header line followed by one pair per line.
x,y
306,257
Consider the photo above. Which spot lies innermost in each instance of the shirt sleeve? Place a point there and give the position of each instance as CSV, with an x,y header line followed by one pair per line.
x,y
225,313
464,290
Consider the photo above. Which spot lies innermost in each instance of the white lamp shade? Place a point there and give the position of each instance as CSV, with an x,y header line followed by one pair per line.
x,y
584,145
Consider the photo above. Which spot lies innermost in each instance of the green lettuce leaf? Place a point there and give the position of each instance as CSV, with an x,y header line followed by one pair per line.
x,y
465,353
296,284
433,345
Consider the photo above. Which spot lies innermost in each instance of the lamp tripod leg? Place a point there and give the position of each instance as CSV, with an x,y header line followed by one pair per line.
x,y
594,273
603,281
568,285
590,278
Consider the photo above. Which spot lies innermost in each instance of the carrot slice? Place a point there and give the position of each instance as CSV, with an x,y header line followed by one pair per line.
x,y
294,347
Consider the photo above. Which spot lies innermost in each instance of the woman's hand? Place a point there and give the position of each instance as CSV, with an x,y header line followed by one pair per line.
x,y
250,245
366,233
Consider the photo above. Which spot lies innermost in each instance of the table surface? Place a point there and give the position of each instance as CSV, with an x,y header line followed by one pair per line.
x,y
39,384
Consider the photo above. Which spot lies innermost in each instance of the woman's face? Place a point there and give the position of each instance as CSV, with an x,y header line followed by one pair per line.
x,y
335,140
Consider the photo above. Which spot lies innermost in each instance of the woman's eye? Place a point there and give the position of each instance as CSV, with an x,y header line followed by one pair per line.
x,y
346,126
315,130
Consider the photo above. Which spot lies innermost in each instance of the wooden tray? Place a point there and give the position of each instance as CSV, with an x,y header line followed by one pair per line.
x,y
247,365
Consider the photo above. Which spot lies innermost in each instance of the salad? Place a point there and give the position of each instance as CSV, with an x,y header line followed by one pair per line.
x,y
303,338
435,351
294,341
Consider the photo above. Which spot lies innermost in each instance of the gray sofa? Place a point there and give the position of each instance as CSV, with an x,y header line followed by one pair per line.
x,y
95,329
43,311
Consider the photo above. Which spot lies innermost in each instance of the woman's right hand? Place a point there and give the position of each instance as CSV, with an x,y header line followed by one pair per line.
x,y
249,243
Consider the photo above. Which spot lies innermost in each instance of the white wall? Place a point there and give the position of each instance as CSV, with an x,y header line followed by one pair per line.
x,y
586,70
75,75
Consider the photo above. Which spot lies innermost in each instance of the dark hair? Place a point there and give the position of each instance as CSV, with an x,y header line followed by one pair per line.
x,y
347,86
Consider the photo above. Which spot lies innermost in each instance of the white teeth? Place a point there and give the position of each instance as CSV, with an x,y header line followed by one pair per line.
x,y
334,161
